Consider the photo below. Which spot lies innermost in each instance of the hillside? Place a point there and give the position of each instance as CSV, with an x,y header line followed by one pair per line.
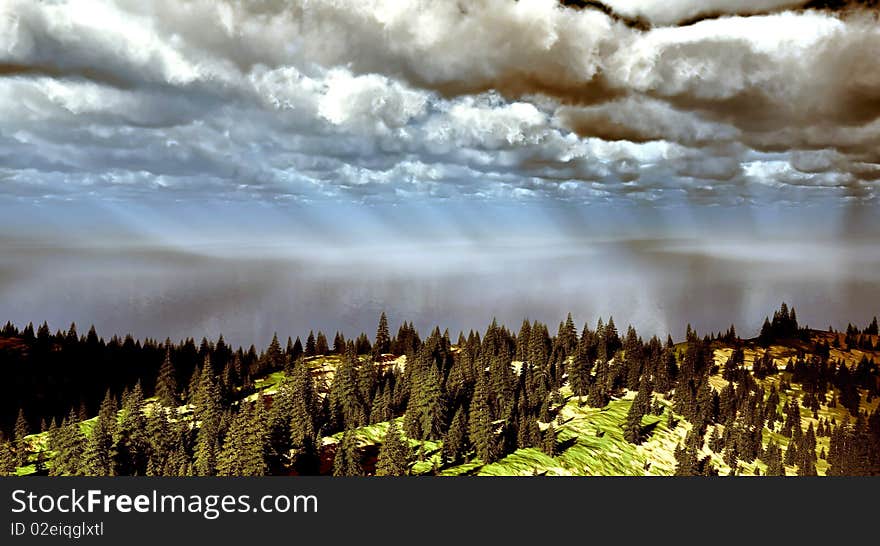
x,y
588,440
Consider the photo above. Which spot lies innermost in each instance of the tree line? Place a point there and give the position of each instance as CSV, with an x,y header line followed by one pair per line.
x,y
482,396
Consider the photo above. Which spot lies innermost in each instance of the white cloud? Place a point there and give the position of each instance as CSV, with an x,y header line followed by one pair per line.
x,y
369,100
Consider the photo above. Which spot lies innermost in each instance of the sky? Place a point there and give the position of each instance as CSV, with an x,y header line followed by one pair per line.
x,y
182,167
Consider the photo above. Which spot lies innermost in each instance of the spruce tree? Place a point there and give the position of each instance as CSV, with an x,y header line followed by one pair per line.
x,y
383,338
274,355
132,441
162,441
305,425
98,455
579,373
632,427
166,383
321,346
432,407
394,454
347,461
7,458
69,448
482,429
243,452
549,444
455,442
296,351
21,444
346,407
207,416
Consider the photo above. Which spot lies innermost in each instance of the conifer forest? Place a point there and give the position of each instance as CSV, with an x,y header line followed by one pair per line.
x,y
540,399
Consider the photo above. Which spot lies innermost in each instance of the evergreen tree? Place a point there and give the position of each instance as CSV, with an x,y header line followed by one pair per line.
x,y
166,383
455,442
549,444
243,452
98,455
305,425
482,429
7,458
347,461
21,444
579,373
207,416
432,407
162,441
339,344
132,441
274,356
806,454
872,329
632,427
394,454
69,448
296,351
347,410
383,337
321,346
790,454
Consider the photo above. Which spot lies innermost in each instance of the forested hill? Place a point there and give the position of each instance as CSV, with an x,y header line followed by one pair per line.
x,y
593,401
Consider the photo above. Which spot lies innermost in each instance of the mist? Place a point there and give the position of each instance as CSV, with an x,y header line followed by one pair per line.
x,y
658,285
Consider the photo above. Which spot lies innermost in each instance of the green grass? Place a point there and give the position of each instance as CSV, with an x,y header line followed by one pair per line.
x,y
592,444
590,439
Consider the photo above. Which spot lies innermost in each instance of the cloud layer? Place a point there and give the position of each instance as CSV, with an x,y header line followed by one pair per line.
x,y
388,101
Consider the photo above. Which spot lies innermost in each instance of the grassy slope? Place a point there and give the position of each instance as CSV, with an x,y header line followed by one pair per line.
x,y
592,443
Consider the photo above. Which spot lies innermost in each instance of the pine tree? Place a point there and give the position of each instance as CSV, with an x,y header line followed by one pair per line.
x,y
69,448
367,379
347,461
872,329
98,455
321,346
132,441
807,454
346,408
394,454
482,430
455,442
432,407
296,351
549,444
166,383
579,372
311,349
207,416
790,454
274,354
7,458
21,444
305,425
162,441
338,343
522,341
383,337
632,427
243,452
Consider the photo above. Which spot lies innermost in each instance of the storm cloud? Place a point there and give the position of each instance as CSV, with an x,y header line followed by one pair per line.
x,y
391,101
